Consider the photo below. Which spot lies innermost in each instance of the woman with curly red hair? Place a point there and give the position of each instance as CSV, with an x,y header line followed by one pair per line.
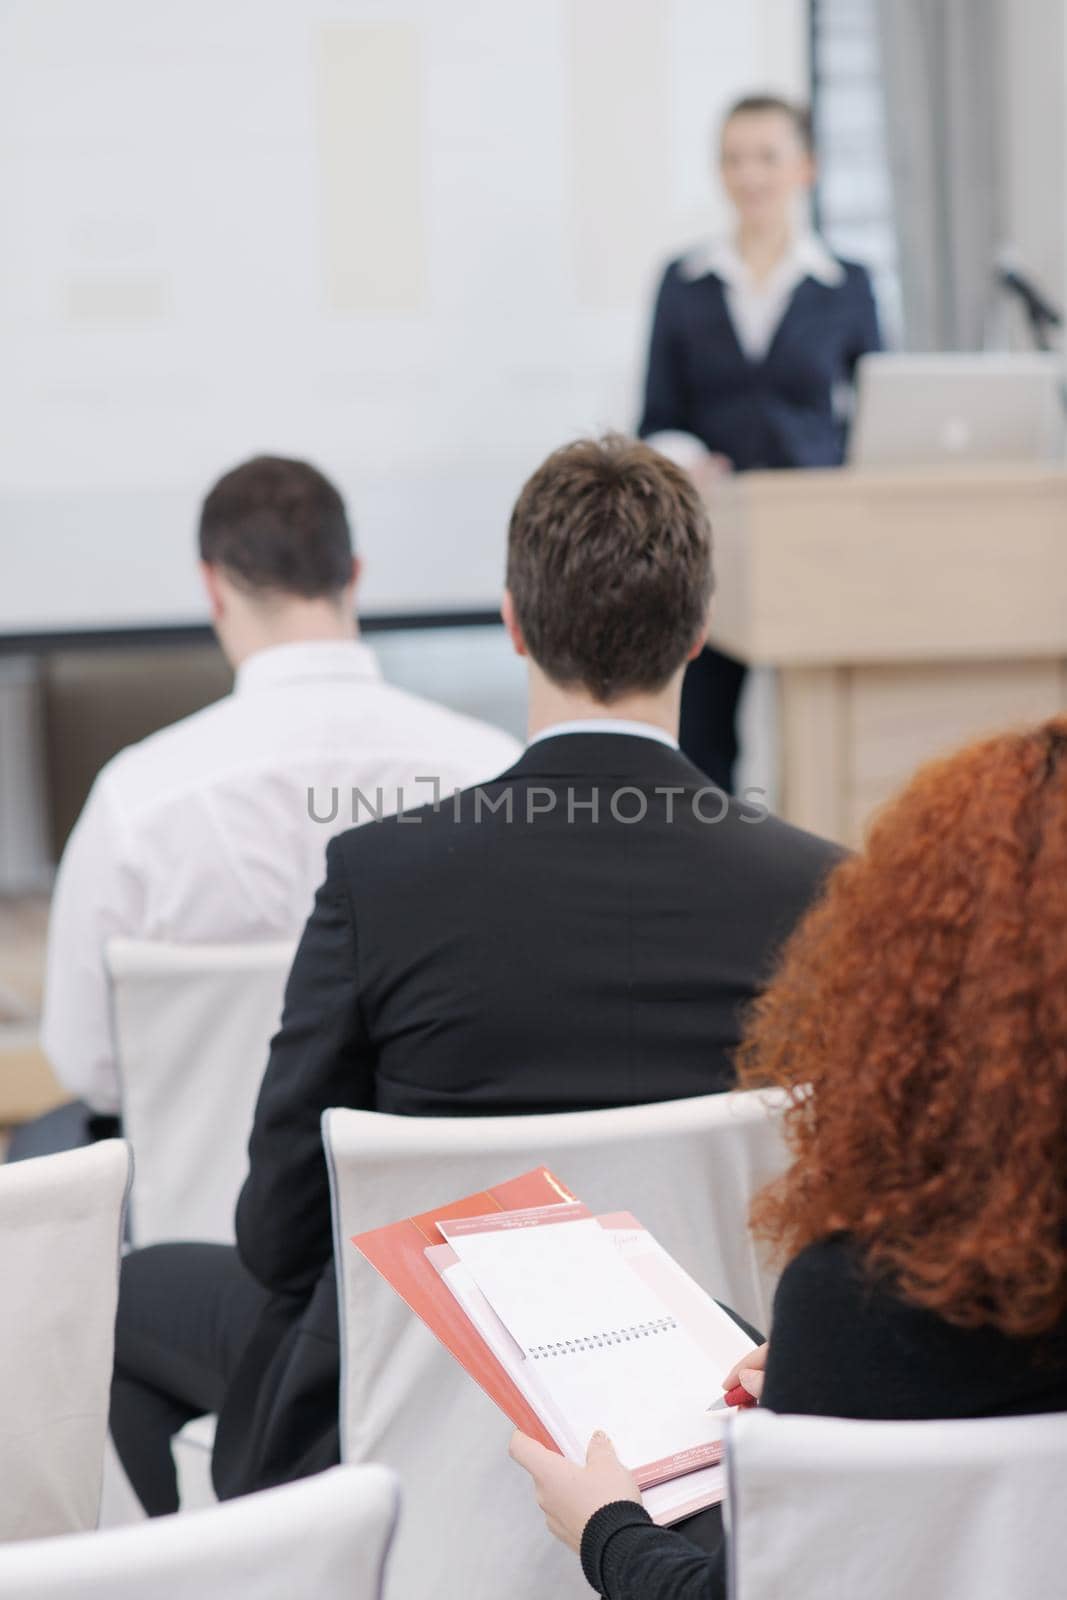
x,y
919,1019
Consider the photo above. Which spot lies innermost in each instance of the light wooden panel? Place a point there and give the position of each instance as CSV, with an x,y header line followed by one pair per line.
x,y
852,738
855,566
28,1087
897,718
815,762
370,161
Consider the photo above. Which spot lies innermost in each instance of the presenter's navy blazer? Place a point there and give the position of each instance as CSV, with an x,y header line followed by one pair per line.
x,y
777,411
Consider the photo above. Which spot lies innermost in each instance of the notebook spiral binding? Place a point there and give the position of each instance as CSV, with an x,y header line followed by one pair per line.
x,y
600,1341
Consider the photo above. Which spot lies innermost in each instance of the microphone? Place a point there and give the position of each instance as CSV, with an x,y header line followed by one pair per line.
x,y
1042,314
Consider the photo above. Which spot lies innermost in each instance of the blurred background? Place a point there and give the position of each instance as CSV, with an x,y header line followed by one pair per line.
x,y
415,241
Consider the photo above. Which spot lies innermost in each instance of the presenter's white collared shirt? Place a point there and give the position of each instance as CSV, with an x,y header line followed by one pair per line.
x,y
756,309
757,306
205,832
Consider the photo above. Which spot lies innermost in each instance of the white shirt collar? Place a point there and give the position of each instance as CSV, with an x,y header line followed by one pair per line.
x,y
636,730
807,257
308,660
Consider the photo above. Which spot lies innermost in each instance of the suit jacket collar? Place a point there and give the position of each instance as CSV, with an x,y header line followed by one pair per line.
x,y
607,755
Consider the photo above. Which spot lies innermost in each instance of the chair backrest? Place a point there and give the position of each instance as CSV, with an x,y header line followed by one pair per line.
x,y
687,1169
193,1025
61,1220
972,1510
326,1537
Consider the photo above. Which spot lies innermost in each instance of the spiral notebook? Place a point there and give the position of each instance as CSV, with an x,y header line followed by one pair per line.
x,y
571,1322
599,1328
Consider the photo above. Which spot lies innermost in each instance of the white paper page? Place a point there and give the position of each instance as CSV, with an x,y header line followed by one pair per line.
x,y
558,1285
682,1497
666,1502
503,1346
649,1393
602,1347
717,1334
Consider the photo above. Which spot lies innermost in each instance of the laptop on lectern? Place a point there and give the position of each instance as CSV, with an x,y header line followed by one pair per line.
x,y
924,410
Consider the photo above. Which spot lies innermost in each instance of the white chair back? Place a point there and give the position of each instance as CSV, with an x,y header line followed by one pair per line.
x,y
326,1537
61,1220
687,1169
821,1507
193,1025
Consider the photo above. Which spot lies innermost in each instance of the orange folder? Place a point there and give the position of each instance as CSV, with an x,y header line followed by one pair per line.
x,y
398,1252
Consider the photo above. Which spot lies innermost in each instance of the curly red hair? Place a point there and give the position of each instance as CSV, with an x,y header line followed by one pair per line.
x,y
919,1018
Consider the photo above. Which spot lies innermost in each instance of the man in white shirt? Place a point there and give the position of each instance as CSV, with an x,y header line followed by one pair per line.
x,y
215,829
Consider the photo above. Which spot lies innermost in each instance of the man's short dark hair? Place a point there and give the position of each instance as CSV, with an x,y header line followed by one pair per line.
x,y
609,567
277,526
756,104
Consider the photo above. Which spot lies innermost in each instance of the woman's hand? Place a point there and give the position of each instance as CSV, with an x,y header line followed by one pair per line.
x,y
748,1372
568,1494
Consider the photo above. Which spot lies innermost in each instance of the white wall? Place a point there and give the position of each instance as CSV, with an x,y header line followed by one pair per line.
x,y
412,239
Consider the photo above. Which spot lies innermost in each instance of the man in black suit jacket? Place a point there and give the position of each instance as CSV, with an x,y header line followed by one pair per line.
x,y
584,931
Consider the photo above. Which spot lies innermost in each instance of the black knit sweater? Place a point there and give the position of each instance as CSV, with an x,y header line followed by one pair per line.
x,y
843,1346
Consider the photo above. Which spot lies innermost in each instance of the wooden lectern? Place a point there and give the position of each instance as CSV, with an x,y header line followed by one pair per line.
x,y
906,610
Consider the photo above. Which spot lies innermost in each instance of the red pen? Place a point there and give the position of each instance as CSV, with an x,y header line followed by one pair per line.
x,y
737,1396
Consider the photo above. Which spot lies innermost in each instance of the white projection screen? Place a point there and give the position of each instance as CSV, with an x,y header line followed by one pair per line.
x,y
414,241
